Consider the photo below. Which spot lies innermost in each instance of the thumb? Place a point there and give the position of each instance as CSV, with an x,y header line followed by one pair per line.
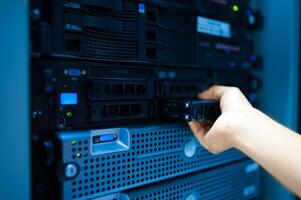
x,y
215,92
199,129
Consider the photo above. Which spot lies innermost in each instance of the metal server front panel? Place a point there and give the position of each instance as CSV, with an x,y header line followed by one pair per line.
x,y
101,74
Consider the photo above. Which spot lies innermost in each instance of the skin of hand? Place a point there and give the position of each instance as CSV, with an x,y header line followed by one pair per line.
x,y
276,148
235,108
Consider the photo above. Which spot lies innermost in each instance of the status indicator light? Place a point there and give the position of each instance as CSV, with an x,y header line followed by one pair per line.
x,y
73,142
78,155
235,8
69,114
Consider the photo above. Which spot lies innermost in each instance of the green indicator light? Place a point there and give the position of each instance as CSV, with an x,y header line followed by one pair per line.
x,y
69,114
73,142
235,8
78,155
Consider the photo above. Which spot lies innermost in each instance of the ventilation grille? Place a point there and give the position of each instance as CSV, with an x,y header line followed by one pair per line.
x,y
174,37
113,44
226,183
155,153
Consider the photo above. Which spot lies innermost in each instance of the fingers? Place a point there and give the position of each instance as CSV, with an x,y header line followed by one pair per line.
x,y
198,129
214,92
209,135
213,143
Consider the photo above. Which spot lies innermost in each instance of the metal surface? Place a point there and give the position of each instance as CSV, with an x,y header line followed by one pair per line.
x,y
279,96
14,101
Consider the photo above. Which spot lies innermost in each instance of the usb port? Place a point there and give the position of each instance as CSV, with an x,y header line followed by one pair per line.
x,y
104,138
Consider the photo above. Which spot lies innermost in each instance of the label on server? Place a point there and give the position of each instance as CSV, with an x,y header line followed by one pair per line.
x,y
213,27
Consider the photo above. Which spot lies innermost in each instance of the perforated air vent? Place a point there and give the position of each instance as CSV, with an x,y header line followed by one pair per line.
x,y
110,34
156,153
120,45
229,182
206,186
172,33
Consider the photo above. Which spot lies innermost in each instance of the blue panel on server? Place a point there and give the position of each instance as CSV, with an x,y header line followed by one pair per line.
x,y
237,181
105,161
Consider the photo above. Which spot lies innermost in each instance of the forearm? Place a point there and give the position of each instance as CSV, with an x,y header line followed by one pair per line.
x,y
274,147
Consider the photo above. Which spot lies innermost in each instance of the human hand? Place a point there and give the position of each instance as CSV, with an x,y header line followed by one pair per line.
x,y
252,132
236,110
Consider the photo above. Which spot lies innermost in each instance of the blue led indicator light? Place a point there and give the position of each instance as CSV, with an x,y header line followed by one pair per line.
x,y
68,98
141,8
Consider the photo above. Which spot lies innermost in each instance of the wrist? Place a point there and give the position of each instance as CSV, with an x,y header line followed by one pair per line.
x,y
246,125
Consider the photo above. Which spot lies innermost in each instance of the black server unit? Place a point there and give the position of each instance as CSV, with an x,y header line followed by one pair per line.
x,y
112,85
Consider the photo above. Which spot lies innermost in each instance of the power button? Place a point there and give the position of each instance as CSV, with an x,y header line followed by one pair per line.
x,y
190,148
190,197
71,170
